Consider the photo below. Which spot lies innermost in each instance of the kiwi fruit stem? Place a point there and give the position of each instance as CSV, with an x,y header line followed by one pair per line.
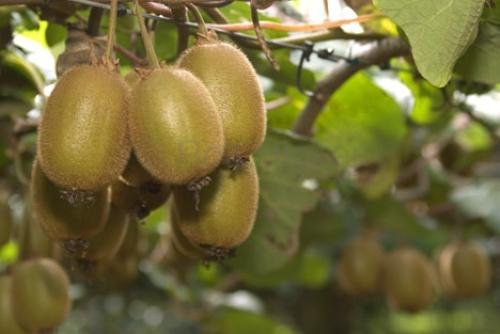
x,y
202,28
146,38
111,31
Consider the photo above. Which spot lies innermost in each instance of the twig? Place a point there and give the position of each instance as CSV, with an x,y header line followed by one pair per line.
x,y
94,23
180,16
268,25
156,8
380,53
137,61
260,36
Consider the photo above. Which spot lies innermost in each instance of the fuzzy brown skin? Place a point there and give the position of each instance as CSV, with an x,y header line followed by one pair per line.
x,y
40,295
107,242
83,139
237,93
7,322
61,220
464,270
227,210
408,280
361,266
175,129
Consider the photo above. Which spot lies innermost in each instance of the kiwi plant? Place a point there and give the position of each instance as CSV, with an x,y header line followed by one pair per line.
x,y
408,280
39,295
464,269
361,266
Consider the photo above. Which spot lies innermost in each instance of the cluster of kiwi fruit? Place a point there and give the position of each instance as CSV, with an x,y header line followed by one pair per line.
x,y
112,149
407,278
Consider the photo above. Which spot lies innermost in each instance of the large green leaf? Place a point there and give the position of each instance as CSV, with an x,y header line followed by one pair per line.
x,y
438,31
284,163
361,123
481,61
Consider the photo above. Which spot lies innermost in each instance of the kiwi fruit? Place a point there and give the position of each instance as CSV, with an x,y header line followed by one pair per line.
x,y
175,129
464,269
135,175
5,223
361,266
63,219
8,324
180,243
107,242
408,280
236,90
139,201
33,241
227,210
40,295
83,142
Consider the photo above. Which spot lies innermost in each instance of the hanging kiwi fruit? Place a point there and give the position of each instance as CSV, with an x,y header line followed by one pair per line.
x,y
69,221
39,295
235,88
408,280
107,242
361,266
227,210
175,128
7,322
464,269
83,141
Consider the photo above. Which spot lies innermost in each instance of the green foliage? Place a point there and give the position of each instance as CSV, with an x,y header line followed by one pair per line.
x,y
284,163
361,123
438,31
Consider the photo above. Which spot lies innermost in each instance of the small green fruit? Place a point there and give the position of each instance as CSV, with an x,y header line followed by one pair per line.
x,y
40,295
464,270
408,280
361,266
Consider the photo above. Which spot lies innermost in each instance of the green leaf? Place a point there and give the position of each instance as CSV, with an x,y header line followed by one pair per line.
x,y
429,100
383,179
481,61
438,31
309,269
230,321
55,34
284,163
361,124
480,200
18,64
285,116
